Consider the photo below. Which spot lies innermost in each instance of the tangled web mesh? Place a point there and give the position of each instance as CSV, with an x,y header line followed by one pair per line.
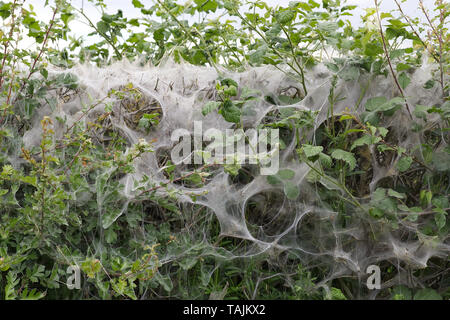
x,y
253,209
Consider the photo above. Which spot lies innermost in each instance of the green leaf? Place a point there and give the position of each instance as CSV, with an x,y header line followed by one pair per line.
x,y
328,27
291,190
44,73
102,27
350,73
230,91
188,263
137,4
230,112
427,294
403,80
273,180
311,151
164,281
421,111
441,161
401,293
348,157
336,294
373,104
404,163
284,17
256,57
210,106
366,139
396,194
440,218
228,82
429,84
403,66
286,174
325,160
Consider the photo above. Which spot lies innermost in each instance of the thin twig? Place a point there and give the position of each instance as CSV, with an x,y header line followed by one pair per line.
x,y
389,59
415,32
439,37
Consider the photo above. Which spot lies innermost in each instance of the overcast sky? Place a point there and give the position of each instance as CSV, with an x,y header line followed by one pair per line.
x,y
79,26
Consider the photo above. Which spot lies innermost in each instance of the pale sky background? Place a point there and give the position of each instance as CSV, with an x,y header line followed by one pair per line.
x,y
80,27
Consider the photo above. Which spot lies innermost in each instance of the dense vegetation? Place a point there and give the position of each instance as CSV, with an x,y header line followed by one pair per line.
x,y
61,207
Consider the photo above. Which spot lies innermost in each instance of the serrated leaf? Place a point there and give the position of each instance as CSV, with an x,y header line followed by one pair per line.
x,y
345,156
325,160
366,139
311,151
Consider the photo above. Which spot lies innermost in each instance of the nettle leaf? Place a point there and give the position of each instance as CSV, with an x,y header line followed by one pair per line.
x,y
403,80
311,151
404,163
325,160
345,156
210,106
365,140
